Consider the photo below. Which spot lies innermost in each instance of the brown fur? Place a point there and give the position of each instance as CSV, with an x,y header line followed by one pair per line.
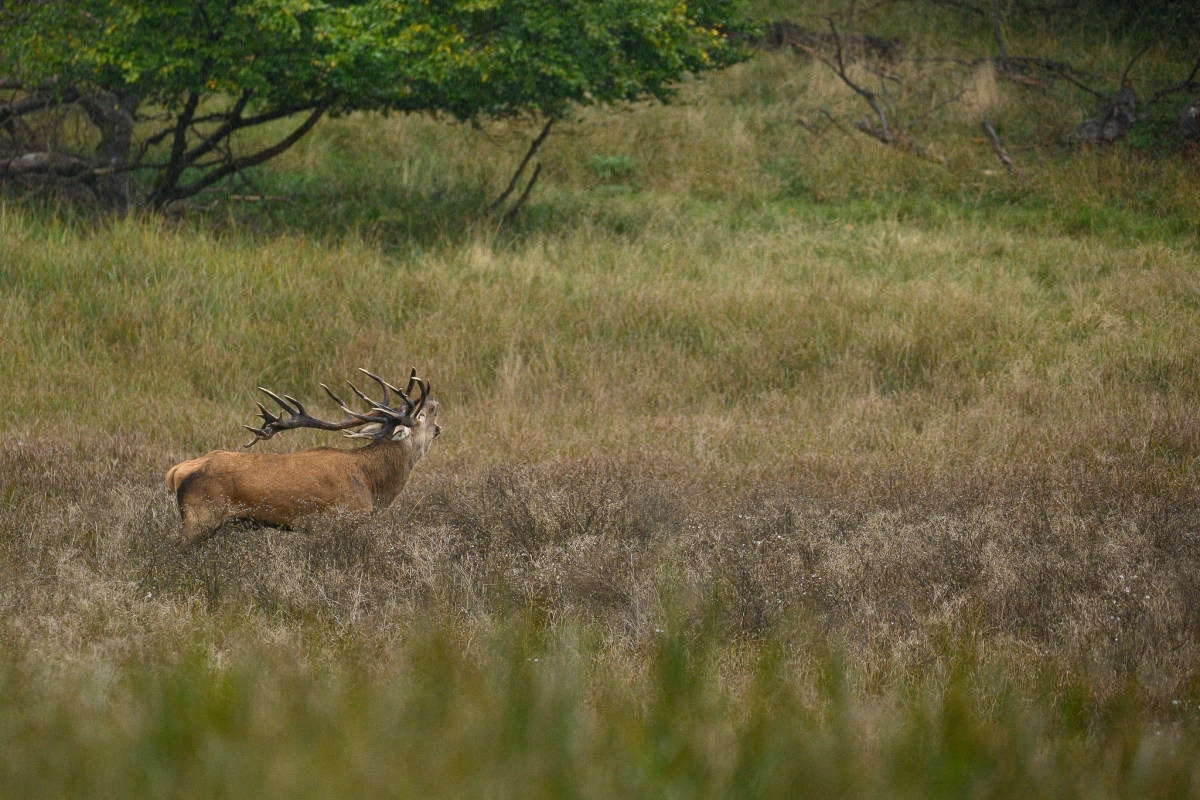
x,y
280,488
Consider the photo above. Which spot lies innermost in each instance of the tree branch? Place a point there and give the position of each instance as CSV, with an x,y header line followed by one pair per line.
x,y
1186,83
232,122
150,141
164,187
1132,61
262,156
533,148
883,133
1060,69
38,100
997,31
512,212
997,147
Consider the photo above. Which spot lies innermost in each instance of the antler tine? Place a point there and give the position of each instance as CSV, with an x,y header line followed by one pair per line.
x,y
362,396
387,399
296,403
384,431
363,418
412,409
390,413
258,435
267,416
341,403
282,403
408,404
424,394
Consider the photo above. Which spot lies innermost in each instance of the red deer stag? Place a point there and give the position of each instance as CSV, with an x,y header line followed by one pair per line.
x,y
278,489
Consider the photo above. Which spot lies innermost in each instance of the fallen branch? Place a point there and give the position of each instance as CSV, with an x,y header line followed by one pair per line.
x,y
1059,68
997,147
56,164
902,142
997,30
883,131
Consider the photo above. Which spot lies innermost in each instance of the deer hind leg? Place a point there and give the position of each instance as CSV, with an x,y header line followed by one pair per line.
x,y
200,522
201,513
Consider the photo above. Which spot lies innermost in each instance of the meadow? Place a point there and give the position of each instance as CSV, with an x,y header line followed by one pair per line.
x,y
777,462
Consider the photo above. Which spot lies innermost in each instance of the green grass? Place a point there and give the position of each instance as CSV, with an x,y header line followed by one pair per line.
x,y
526,715
776,463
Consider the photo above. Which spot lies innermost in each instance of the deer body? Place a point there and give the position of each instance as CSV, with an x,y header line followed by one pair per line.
x,y
279,489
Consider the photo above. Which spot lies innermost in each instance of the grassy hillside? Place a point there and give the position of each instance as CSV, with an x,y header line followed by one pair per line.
x,y
777,461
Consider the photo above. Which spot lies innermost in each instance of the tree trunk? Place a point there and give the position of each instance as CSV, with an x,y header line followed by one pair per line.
x,y
1110,126
1189,120
113,115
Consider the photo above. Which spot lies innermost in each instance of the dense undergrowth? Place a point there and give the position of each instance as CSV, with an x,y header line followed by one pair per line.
x,y
776,462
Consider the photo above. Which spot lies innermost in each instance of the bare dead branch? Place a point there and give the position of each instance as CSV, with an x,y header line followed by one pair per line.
x,y
883,131
997,147
57,164
834,121
997,30
839,68
1134,60
902,142
954,98
1059,69
1184,85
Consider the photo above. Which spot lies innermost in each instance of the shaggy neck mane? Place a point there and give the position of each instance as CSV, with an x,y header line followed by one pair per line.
x,y
386,465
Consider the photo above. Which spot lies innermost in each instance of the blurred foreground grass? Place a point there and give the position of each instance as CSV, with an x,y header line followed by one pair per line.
x,y
526,714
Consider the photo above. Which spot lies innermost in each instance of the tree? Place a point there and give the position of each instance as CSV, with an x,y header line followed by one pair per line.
x,y
170,84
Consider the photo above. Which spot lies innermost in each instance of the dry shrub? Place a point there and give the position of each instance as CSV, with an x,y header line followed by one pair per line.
x,y
1097,579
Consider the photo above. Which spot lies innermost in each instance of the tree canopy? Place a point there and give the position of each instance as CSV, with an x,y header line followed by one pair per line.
x,y
186,75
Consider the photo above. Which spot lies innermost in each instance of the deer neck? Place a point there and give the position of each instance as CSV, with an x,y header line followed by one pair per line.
x,y
386,466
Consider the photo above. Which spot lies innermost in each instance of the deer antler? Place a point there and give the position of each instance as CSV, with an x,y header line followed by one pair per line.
x,y
381,414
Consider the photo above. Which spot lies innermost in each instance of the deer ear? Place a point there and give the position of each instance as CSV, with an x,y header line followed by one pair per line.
x,y
400,434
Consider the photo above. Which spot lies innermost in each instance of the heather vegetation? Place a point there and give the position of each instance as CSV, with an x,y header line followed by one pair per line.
x,y
778,460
